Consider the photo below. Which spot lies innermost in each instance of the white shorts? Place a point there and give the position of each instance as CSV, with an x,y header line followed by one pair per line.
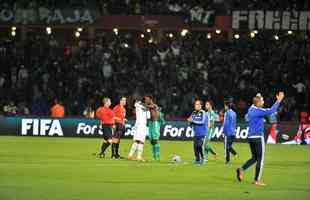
x,y
140,133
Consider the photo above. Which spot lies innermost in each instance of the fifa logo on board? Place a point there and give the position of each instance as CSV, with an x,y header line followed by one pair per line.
x,y
41,127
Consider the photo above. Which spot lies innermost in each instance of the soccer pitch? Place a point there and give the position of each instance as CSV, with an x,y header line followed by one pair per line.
x,y
37,168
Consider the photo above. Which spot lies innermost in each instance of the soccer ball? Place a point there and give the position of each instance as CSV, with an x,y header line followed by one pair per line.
x,y
285,137
176,159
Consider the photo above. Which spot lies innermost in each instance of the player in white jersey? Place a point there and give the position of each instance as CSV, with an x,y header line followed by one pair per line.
x,y
142,115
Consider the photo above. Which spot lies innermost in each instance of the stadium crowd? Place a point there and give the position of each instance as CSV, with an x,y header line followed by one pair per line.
x,y
175,70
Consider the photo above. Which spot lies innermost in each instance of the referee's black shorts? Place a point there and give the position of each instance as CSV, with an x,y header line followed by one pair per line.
x,y
107,131
119,130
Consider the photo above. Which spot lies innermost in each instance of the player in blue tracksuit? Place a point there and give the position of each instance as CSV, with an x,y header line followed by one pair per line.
x,y
255,118
229,129
199,122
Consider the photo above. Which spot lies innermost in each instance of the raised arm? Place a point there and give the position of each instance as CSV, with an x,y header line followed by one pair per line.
x,y
267,111
273,109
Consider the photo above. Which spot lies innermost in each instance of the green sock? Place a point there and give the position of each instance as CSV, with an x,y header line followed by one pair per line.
x,y
157,151
154,151
206,151
210,149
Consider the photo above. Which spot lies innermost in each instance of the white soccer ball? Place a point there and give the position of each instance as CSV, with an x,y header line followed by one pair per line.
x,y
176,159
285,137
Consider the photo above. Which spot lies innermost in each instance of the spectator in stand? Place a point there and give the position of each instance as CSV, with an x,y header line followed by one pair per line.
x,y
300,91
10,109
22,109
2,80
304,115
89,111
57,110
107,73
39,106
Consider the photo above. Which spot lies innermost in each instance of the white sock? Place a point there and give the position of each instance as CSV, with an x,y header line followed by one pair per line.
x,y
140,151
133,149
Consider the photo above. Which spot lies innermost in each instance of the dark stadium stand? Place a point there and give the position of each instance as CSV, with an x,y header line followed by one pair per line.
x,y
175,69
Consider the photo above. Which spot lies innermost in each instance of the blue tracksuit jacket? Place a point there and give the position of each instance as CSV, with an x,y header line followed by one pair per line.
x,y
229,125
200,123
255,118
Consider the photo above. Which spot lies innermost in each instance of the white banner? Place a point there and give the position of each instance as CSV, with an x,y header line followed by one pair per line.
x,y
271,20
44,15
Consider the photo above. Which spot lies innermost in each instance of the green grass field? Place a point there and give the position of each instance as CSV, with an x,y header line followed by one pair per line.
x,y
37,168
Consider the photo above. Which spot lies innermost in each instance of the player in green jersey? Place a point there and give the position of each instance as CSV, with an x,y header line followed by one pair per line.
x,y
154,124
212,117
